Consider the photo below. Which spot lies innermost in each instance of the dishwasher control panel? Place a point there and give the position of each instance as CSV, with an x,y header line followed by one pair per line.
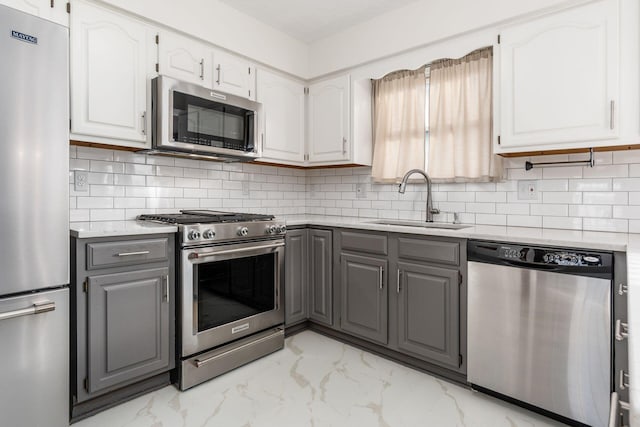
x,y
534,255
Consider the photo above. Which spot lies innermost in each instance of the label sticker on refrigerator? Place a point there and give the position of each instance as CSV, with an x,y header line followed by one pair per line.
x,y
240,328
24,37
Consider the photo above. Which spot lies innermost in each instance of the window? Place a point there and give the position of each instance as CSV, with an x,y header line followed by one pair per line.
x,y
455,143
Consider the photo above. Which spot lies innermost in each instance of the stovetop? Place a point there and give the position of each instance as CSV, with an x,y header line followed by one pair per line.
x,y
186,217
203,227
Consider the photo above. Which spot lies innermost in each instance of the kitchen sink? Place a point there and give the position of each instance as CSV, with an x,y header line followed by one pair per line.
x,y
423,224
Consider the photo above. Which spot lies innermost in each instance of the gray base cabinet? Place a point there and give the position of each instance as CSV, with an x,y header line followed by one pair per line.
x,y
123,296
428,313
128,328
364,296
296,306
320,276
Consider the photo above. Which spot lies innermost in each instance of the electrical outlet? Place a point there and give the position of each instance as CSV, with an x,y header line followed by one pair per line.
x,y
81,180
527,190
361,191
245,188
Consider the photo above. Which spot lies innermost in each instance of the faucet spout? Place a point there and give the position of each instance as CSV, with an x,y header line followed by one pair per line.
x,y
403,184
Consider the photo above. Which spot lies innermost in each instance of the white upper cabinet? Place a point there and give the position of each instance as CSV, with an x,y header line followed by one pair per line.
x,y
283,124
51,10
557,80
234,75
328,124
112,62
185,59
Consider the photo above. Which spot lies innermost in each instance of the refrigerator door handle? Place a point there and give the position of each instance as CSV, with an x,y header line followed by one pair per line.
x,y
36,308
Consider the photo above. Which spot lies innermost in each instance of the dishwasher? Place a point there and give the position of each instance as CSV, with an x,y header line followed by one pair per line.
x,y
539,328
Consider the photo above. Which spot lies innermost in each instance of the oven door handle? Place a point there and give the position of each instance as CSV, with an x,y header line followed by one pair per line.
x,y
196,255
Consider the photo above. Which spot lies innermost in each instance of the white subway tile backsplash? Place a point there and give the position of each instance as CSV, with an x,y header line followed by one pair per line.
x,y
124,185
609,171
593,211
600,224
628,212
613,198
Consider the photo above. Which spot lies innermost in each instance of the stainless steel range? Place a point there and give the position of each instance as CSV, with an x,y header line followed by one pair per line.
x,y
230,283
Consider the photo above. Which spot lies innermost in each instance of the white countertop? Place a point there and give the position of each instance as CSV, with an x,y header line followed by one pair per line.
x,y
629,243
85,230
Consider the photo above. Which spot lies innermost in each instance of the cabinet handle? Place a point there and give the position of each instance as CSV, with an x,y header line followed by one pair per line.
x,y
380,273
144,122
616,406
166,288
218,79
398,286
624,380
202,69
344,145
133,253
622,330
622,289
612,115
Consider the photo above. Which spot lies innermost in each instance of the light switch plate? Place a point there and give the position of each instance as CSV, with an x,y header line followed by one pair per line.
x,y
81,180
245,188
361,191
527,190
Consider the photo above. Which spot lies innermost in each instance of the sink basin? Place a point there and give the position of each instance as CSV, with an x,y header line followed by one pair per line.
x,y
423,224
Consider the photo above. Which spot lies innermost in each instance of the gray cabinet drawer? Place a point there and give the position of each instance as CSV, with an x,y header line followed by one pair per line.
x,y
112,254
364,242
436,251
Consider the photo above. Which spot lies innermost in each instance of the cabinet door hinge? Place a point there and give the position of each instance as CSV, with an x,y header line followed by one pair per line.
x,y
249,70
249,93
306,91
69,124
157,38
68,7
85,384
498,139
85,286
52,4
157,67
460,360
459,278
498,38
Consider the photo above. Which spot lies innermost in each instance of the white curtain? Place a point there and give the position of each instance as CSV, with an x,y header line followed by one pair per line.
x,y
460,128
399,124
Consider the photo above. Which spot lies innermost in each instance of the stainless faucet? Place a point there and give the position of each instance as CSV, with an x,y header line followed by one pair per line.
x,y
430,210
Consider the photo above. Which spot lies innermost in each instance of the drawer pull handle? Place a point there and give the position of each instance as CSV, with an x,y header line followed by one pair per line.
x,y
398,286
36,308
380,277
122,254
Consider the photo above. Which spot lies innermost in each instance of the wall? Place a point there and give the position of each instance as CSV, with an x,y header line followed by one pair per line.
x,y
224,26
417,24
603,198
123,185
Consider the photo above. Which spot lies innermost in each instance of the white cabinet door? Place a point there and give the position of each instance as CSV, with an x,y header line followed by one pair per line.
x,y
283,108
557,79
109,72
234,75
328,126
52,10
184,59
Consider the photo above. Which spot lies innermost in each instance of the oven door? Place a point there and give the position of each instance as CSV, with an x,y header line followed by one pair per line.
x,y
230,291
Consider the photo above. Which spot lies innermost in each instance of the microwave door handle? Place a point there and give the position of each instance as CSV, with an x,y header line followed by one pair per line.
x,y
195,255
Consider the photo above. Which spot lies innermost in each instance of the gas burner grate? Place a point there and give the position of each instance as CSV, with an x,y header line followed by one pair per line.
x,y
204,216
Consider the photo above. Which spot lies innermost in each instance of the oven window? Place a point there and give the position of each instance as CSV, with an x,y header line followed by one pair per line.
x,y
233,289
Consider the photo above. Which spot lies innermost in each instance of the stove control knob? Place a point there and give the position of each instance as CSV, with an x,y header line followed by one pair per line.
x,y
272,229
194,235
209,234
243,231
282,228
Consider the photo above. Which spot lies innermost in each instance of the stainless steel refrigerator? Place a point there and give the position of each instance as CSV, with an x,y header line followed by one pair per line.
x,y
34,221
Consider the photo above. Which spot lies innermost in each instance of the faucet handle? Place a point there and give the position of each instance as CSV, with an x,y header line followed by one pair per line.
x,y
435,211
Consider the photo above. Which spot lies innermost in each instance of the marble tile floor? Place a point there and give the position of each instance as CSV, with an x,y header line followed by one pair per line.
x,y
317,381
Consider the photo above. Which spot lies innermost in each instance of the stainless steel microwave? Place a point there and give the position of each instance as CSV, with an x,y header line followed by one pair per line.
x,y
194,121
